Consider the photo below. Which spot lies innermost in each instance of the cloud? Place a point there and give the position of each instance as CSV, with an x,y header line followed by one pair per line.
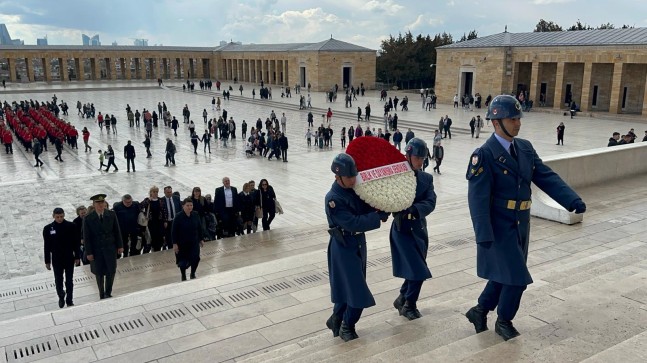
x,y
388,7
416,23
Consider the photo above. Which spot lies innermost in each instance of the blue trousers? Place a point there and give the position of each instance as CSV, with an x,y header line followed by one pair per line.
x,y
411,290
348,314
506,298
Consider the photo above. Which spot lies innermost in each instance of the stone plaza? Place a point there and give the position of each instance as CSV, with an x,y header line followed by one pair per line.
x,y
265,297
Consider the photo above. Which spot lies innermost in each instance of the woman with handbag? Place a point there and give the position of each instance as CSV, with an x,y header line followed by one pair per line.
x,y
265,201
247,208
152,209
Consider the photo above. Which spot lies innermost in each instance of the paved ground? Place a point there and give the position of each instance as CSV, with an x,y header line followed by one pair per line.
x,y
300,184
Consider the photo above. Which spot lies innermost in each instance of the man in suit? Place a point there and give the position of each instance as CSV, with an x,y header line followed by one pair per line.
x,y
499,176
226,206
62,252
171,206
102,241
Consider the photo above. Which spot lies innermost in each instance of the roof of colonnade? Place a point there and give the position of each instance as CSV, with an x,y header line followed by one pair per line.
x,y
597,37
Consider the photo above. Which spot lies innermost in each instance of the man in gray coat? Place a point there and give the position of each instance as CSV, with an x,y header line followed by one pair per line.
x,y
102,241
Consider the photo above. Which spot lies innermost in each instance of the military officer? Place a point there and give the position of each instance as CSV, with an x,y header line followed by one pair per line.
x,y
348,218
103,243
62,244
499,176
408,238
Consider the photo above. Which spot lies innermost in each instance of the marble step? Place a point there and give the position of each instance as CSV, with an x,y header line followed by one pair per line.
x,y
575,334
443,317
632,350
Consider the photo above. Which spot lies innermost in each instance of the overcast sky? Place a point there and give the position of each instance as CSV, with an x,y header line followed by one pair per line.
x,y
362,22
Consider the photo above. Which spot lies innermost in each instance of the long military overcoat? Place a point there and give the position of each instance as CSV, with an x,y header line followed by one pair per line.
x,y
347,260
496,182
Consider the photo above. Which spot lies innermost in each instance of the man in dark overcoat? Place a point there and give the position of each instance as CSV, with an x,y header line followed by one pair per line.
x,y
499,176
188,237
348,218
103,243
226,206
62,243
409,238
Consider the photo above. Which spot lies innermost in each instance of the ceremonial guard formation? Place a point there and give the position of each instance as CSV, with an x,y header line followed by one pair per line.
x,y
409,238
499,176
348,218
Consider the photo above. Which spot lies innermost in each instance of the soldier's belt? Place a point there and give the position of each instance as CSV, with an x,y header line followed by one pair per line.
x,y
512,204
349,233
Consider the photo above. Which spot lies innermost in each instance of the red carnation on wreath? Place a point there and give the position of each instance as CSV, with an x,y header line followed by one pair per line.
x,y
385,180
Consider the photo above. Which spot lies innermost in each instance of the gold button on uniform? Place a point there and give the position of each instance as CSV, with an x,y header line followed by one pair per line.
x,y
505,172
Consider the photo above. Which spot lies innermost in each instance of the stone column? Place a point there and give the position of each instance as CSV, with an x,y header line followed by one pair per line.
x,y
558,100
200,66
62,69
138,66
644,112
111,69
616,89
78,69
12,69
30,69
127,71
534,83
95,69
286,79
586,87
47,69
185,68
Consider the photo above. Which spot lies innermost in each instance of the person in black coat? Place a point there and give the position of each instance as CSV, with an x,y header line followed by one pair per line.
x,y
103,243
62,243
171,206
226,207
247,209
127,212
81,212
283,144
129,155
188,236
265,199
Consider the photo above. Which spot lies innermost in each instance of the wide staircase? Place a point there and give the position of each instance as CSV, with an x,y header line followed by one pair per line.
x,y
265,298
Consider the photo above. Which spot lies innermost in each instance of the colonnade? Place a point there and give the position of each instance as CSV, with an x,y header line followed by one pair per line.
x,y
66,68
270,71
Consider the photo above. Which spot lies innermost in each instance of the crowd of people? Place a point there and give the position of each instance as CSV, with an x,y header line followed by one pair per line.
x,y
628,138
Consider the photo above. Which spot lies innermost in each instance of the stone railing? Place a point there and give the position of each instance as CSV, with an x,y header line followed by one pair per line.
x,y
586,168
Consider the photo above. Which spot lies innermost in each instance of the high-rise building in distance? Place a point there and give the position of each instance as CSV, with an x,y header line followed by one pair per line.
x,y
5,38
41,41
140,42
90,41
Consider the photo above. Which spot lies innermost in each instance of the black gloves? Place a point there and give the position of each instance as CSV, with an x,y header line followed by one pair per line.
x,y
578,206
384,216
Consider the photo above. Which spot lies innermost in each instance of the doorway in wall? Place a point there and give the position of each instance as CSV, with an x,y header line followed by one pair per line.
x,y
302,76
347,78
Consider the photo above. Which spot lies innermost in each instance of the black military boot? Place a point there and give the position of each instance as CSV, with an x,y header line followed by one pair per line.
x,y
334,323
399,302
347,333
505,329
477,315
410,311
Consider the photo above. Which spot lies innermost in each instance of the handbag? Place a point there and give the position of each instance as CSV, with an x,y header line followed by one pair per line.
x,y
278,208
142,219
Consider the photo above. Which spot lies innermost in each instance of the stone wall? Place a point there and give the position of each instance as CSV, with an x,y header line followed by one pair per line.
x,y
582,67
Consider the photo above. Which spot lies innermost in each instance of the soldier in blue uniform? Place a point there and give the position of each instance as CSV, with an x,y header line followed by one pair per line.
x,y
409,238
348,218
499,176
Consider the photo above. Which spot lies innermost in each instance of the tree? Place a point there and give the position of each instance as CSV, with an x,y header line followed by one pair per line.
x,y
547,26
580,26
471,35
606,26
406,60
